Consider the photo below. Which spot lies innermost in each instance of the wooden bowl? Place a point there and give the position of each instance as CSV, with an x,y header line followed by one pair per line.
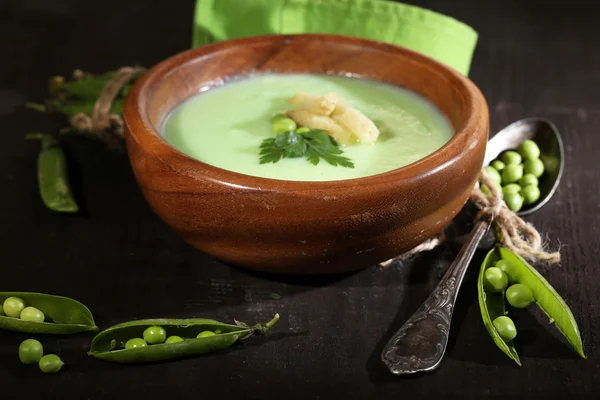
x,y
304,227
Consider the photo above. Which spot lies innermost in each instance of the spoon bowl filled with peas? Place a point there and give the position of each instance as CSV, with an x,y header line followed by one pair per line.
x,y
526,161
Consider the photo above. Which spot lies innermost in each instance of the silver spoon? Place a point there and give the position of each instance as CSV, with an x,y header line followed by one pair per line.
x,y
420,344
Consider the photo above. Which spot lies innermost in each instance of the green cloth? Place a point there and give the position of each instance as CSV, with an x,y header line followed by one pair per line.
x,y
438,36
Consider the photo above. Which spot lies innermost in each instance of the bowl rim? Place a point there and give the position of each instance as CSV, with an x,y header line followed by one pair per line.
x,y
138,124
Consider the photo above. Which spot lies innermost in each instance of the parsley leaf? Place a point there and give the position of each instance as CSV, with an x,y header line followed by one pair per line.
x,y
314,145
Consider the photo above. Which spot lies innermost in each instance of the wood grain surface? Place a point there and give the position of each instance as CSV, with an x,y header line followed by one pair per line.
x,y
533,58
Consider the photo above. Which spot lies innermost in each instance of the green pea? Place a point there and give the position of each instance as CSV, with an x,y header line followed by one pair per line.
x,y
493,174
534,167
495,280
512,158
135,343
529,150
30,351
498,165
512,173
205,334
32,314
551,163
278,117
284,125
514,201
511,188
505,328
1,310
519,295
510,269
486,190
531,194
51,364
13,307
174,339
303,130
155,335
528,179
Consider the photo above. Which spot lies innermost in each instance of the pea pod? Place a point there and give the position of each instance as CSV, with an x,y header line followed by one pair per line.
x,y
53,176
109,344
547,299
67,316
492,306
545,296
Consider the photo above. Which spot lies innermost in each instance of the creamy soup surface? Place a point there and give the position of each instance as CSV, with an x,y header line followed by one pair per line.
x,y
225,126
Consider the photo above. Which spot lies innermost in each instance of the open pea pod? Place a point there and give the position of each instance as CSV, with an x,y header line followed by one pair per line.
x,y
63,315
109,344
492,306
546,297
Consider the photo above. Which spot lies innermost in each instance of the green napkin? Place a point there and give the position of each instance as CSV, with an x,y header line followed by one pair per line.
x,y
438,36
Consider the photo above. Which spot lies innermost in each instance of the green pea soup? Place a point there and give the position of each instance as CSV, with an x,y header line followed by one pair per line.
x,y
225,126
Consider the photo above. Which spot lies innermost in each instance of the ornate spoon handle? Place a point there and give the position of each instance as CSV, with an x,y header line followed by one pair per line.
x,y
420,344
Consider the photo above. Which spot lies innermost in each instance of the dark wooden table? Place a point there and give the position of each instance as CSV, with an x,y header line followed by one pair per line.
x,y
532,59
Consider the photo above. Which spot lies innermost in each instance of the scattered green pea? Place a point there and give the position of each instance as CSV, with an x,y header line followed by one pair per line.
x,y
205,334
134,343
511,270
155,335
284,125
528,179
511,188
512,158
495,280
531,194
519,295
13,307
51,364
505,328
529,149
303,130
32,314
498,165
514,201
512,173
493,174
30,351
174,339
534,167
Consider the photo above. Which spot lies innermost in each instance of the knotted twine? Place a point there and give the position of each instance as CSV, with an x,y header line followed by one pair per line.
x,y
512,232
102,122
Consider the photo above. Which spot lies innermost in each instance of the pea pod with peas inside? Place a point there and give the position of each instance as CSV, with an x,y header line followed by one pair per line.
x,y
527,285
110,344
60,315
